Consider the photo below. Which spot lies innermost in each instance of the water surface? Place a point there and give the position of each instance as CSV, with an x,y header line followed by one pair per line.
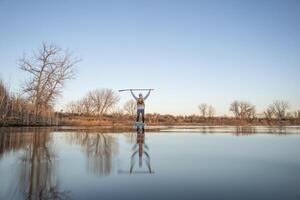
x,y
175,163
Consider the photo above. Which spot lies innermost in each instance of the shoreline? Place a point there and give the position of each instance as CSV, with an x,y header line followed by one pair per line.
x,y
294,122
240,129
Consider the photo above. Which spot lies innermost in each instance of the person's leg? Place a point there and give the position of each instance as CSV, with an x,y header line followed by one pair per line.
x,y
137,115
143,115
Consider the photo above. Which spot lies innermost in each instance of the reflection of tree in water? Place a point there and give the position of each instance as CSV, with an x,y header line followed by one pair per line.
x,y
279,130
99,149
249,130
37,170
130,137
244,130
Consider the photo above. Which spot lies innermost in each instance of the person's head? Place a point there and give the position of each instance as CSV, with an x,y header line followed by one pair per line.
x,y
140,95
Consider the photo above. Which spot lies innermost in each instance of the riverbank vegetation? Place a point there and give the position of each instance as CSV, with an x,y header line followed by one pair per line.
x,y
155,119
101,107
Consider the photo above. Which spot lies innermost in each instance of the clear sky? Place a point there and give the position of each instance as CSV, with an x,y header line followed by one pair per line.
x,y
191,52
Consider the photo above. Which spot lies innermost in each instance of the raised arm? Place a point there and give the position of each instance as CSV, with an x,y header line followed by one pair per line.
x,y
133,95
147,95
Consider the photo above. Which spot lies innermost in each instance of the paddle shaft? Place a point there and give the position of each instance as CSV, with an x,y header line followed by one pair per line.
x,y
134,90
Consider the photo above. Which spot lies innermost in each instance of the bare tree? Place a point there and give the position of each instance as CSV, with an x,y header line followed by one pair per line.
x,y
269,112
280,108
297,114
103,100
97,102
203,109
49,68
247,110
130,107
72,107
4,101
16,110
87,104
242,109
289,115
211,111
235,108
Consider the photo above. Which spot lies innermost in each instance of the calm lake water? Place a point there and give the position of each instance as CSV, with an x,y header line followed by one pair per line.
x,y
175,163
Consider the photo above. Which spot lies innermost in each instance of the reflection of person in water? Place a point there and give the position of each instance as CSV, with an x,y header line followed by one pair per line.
x,y
140,149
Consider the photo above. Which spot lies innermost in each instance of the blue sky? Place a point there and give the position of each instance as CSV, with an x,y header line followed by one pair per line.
x,y
191,52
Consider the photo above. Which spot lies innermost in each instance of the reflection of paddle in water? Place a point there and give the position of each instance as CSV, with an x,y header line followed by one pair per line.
x,y
141,150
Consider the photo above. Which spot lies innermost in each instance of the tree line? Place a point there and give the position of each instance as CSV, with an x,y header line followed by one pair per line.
x,y
100,102
96,102
279,109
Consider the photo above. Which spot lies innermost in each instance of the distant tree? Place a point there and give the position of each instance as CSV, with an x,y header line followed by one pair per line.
x,y
74,107
97,102
269,112
248,110
48,70
203,108
280,108
235,108
86,104
4,101
103,100
211,111
297,114
242,109
130,107
289,115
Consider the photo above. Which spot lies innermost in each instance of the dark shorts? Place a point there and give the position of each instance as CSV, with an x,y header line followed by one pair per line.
x,y
140,111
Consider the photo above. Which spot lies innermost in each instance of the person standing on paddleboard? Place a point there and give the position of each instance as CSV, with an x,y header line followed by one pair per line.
x,y
140,105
